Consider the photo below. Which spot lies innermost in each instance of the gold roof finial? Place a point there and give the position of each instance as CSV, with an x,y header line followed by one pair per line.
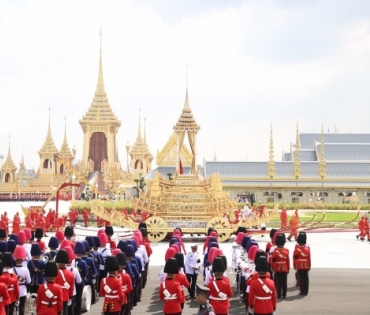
x,y
186,105
138,138
297,170
100,90
9,164
271,169
144,129
322,162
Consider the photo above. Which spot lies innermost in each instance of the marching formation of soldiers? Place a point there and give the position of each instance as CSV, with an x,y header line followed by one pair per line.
x,y
67,275
262,273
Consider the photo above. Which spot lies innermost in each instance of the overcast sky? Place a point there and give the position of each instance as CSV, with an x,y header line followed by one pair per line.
x,y
250,63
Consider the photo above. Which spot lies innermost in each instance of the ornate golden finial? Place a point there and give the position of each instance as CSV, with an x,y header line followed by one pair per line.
x,y
322,162
100,86
186,105
271,169
145,129
139,129
297,170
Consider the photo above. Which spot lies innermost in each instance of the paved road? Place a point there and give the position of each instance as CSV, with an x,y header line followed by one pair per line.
x,y
332,292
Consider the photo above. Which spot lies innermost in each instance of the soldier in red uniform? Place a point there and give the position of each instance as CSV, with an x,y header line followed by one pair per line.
x,y
65,279
219,288
169,289
29,223
10,279
294,222
262,293
109,231
281,266
4,295
125,280
302,263
181,277
38,235
111,288
133,214
283,218
363,226
49,299
85,215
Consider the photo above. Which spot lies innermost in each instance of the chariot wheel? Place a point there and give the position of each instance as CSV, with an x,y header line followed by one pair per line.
x,y
222,226
157,228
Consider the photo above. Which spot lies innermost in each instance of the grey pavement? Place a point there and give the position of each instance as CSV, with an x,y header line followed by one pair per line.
x,y
332,292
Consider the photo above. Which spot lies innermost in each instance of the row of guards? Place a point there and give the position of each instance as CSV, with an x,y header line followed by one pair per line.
x,y
68,275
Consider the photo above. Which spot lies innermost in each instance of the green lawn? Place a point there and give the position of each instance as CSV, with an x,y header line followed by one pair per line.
x,y
330,217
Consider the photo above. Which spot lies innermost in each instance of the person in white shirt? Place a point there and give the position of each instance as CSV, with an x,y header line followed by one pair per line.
x,y
23,276
192,268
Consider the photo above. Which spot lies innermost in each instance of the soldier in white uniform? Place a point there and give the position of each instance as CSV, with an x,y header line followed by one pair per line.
x,y
192,267
23,276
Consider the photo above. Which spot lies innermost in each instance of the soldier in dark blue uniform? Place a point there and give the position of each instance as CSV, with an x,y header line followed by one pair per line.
x,y
81,265
98,259
91,271
53,245
130,255
36,268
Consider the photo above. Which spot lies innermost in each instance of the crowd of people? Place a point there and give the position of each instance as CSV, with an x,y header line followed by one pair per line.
x,y
58,272
262,273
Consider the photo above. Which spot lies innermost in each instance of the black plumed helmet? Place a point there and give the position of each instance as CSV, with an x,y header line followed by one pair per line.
x,y
242,229
180,260
280,240
272,233
109,230
262,265
111,264
62,257
121,258
68,231
39,233
1,267
259,253
302,238
218,265
224,259
2,233
144,232
51,269
8,260
171,266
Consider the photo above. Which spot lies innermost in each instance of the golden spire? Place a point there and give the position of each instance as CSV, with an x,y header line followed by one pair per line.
x,y
144,129
48,146
9,164
100,90
138,138
271,169
186,122
64,152
322,162
100,109
297,170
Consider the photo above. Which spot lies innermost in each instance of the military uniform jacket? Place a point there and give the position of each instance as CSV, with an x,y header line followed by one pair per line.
x,y
50,256
302,257
23,277
4,298
128,270
220,304
12,286
171,302
98,260
206,309
280,260
66,280
36,269
51,303
135,272
104,252
81,266
91,270
111,290
261,301
184,283
126,284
